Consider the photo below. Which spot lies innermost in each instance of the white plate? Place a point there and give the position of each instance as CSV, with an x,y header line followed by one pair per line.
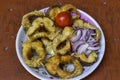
x,y
42,73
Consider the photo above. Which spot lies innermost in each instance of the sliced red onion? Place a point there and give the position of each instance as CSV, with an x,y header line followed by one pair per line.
x,y
84,41
73,14
84,32
77,44
72,54
84,17
92,30
88,52
46,10
82,48
94,43
93,34
91,39
94,48
75,28
77,36
87,35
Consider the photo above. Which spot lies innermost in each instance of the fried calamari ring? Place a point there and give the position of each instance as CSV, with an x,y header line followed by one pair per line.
x,y
53,12
42,28
33,48
61,44
53,66
87,60
68,7
28,18
78,23
38,35
35,26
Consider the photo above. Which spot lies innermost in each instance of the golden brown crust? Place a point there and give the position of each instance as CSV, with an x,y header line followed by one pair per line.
x,y
26,21
87,60
63,38
56,62
28,55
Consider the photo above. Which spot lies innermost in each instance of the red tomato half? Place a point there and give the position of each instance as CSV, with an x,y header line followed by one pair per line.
x,y
63,19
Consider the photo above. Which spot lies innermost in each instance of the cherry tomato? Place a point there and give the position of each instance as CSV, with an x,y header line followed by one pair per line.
x,y
63,19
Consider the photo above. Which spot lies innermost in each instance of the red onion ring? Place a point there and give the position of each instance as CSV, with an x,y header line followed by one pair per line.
x,y
73,14
88,52
84,41
78,36
82,48
84,32
77,44
94,48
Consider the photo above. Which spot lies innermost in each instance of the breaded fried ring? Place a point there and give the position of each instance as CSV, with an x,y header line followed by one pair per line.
x,y
87,60
53,12
38,35
28,53
62,39
28,18
53,66
42,28
65,45
68,7
49,24
78,23
35,26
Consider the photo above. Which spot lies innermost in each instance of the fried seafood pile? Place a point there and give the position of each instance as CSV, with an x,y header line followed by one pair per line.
x,y
54,47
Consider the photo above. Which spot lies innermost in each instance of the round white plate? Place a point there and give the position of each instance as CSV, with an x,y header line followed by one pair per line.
x,y
42,73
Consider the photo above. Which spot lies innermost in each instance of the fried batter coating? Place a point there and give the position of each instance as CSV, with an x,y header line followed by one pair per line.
x,y
29,50
78,23
53,12
53,66
62,39
68,7
35,26
88,60
49,24
42,28
28,18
